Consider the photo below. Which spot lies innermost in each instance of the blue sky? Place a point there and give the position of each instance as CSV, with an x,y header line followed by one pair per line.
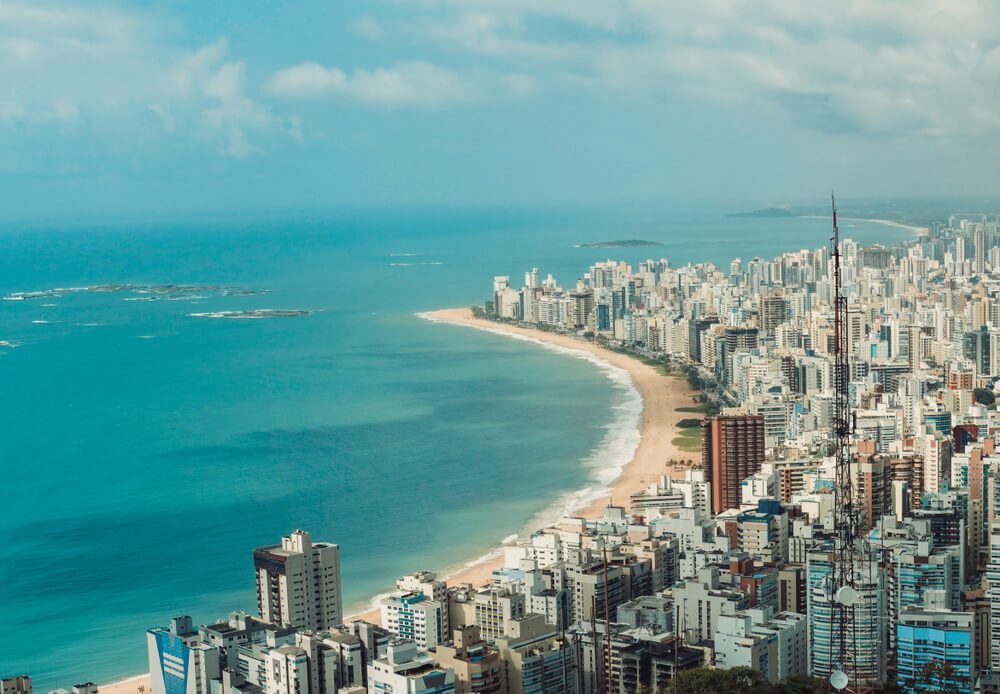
x,y
110,108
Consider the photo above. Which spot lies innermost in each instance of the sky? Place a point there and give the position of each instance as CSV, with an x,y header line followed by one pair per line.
x,y
125,108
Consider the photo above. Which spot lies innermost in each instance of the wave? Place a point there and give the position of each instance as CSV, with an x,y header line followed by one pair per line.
x,y
607,460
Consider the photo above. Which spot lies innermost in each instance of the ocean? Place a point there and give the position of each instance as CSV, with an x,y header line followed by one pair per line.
x,y
145,451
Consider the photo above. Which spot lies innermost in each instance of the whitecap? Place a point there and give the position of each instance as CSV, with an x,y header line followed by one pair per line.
x,y
606,461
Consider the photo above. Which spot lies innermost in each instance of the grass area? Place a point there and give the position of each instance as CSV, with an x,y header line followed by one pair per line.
x,y
692,408
689,440
689,423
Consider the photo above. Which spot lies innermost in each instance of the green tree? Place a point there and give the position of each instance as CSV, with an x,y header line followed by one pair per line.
x,y
985,396
738,680
938,677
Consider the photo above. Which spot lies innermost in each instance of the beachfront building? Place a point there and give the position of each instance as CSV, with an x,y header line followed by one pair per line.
x,y
415,617
298,583
21,684
427,584
178,662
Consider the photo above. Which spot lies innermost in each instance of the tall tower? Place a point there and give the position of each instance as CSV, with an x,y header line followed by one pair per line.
x,y
298,583
850,627
773,312
732,449
979,248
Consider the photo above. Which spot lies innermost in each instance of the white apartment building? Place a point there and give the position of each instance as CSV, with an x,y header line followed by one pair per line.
x,y
415,617
298,583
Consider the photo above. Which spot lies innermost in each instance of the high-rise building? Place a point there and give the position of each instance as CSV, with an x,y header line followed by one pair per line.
x,y
298,582
976,348
993,593
415,617
930,638
773,312
696,328
427,583
859,647
979,249
732,449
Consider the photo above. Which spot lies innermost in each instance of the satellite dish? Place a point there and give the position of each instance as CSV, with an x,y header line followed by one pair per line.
x,y
838,680
846,595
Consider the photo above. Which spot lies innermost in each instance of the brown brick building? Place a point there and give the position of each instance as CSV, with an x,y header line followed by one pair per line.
x,y
732,449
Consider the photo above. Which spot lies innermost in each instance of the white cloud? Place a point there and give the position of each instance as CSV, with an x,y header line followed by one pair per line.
x,y
369,28
412,83
307,80
111,72
915,67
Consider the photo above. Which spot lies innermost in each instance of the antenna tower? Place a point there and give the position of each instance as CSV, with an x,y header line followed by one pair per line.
x,y
847,526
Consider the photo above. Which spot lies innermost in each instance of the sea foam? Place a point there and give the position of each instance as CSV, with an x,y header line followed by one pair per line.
x,y
605,462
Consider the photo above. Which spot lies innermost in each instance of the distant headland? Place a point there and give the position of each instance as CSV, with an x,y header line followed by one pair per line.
x,y
625,243
766,212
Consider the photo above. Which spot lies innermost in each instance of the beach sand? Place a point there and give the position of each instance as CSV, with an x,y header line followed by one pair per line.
x,y
133,685
661,396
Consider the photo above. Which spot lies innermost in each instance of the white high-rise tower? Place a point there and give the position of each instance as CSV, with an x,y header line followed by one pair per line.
x,y
979,249
298,582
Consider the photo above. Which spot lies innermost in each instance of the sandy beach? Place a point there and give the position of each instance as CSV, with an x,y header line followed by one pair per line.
x,y
661,396
132,685
920,231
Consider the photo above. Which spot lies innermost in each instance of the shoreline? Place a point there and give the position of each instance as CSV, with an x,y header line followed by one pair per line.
x,y
129,685
661,395
919,231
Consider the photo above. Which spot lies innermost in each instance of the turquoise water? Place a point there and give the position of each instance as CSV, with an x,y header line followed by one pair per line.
x,y
145,452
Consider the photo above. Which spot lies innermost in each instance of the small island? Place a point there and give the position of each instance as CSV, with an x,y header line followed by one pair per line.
x,y
626,243
766,212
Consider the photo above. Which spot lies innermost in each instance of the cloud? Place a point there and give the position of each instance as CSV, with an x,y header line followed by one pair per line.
x,y
900,67
368,28
112,74
412,83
